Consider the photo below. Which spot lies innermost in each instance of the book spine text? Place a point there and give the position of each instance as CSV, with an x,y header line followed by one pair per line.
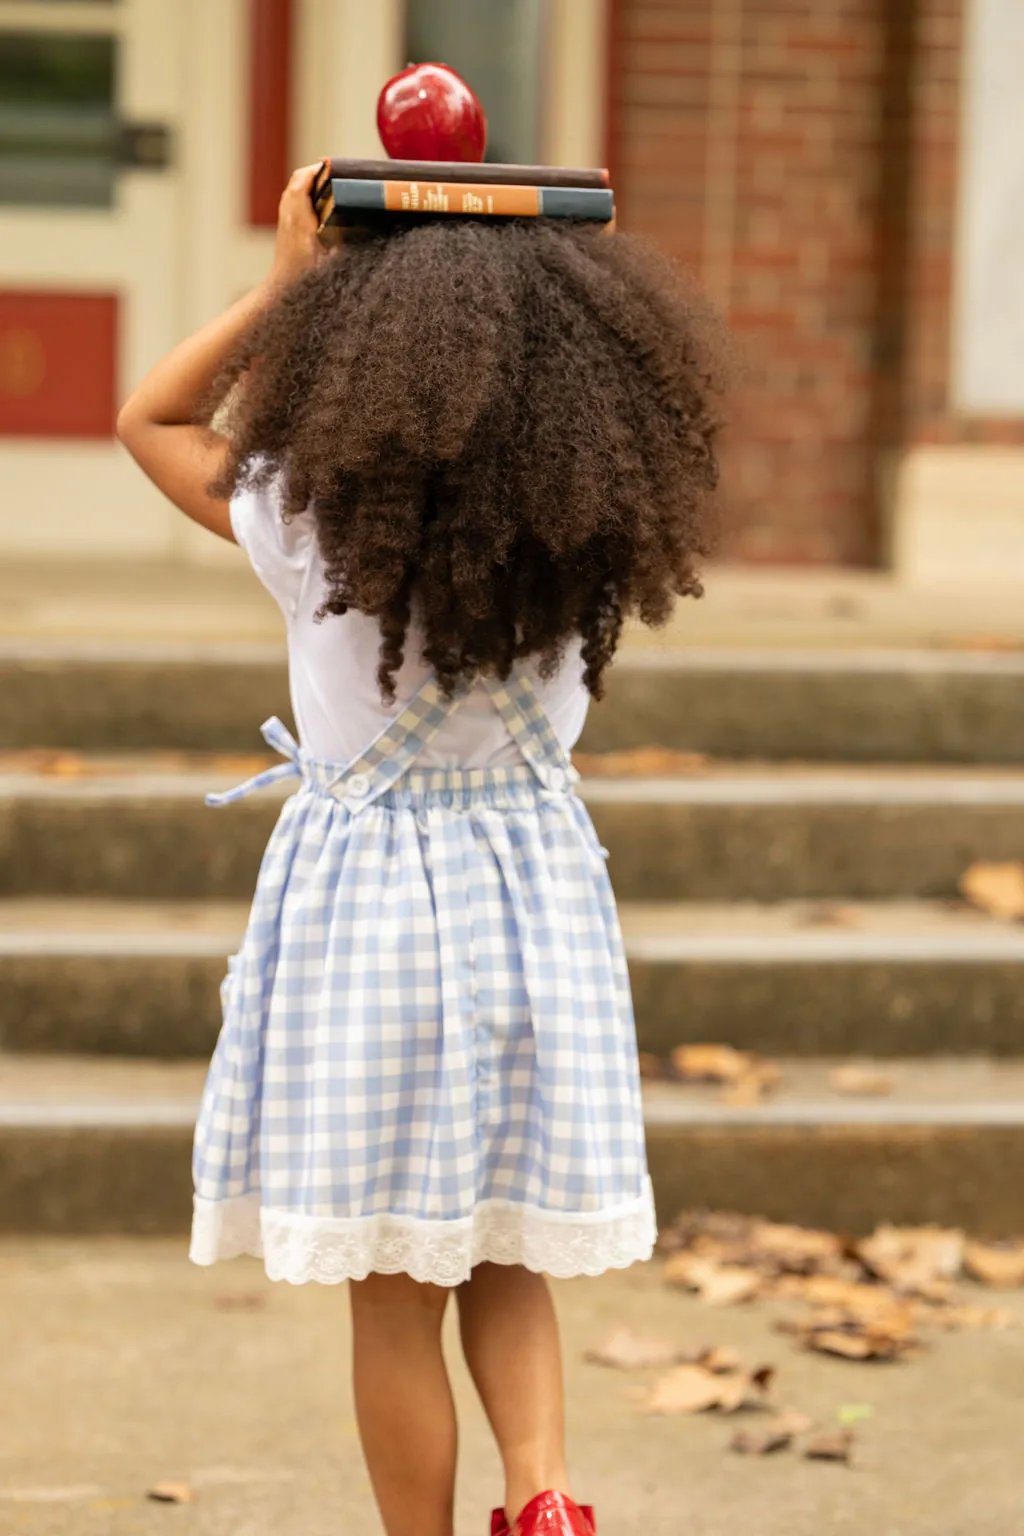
x,y
479,200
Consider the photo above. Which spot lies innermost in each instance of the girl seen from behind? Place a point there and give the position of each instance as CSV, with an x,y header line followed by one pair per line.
x,y
459,454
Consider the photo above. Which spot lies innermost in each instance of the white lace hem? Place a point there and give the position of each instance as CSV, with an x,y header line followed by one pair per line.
x,y
331,1249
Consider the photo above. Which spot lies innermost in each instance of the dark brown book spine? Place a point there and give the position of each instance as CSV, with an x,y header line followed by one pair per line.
x,y
461,171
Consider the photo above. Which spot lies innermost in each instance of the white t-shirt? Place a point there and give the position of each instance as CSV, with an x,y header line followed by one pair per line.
x,y
332,665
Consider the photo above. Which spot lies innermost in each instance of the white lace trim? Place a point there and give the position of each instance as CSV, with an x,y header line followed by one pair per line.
x,y
331,1249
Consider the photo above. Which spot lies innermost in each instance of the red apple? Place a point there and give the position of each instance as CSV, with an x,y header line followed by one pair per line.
x,y
428,112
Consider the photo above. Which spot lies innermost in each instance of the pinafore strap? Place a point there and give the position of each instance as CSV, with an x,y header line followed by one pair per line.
x,y
527,723
394,750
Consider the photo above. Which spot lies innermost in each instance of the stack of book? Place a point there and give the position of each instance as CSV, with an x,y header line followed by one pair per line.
x,y
347,190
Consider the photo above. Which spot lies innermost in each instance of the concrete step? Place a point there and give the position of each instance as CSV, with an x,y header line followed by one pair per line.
x,y
122,978
817,704
888,706
135,827
889,979
886,979
103,1146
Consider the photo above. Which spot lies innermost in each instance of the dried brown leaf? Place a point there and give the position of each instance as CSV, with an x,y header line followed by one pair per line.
x,y
48,762
719,1361
640,762
746,1442
868,1303
242,1301
791,1422
710,1063
854,1338
995,1319
912,1257
170,1493
754,1084
718,1228
65,765
728,1287
745,1077
860,1081
745,1389
1000,1265
693,1388
52,763
983,643
795,1250
719,1285
733,1392
996,888
686,1389
746,1091
652,1066
833,1447
678,1270
935,1293
849,1342
828,914
625,1350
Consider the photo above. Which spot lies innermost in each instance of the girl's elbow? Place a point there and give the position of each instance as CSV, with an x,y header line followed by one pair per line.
x,y
126,423
131,425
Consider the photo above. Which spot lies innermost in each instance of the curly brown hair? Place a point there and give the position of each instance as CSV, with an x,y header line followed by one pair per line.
x,y
507,428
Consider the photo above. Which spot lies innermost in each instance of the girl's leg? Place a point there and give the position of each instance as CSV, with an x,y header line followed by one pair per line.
x,y
404,1402
510,1339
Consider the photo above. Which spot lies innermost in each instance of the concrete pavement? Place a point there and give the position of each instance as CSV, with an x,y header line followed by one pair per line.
x,y
123,1366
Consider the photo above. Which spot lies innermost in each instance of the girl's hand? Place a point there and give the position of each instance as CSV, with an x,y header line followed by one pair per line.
x,y
298,248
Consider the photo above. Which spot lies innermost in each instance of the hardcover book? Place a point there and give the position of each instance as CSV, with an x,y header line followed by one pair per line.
x,y
346,188
464,199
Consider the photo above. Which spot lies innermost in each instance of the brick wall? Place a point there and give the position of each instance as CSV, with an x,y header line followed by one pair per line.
x,y
747,138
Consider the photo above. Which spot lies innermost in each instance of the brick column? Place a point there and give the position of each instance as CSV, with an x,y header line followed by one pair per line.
x,y
747,143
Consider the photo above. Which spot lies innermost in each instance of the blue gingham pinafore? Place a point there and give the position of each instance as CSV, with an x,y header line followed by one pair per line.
x,y
428,1057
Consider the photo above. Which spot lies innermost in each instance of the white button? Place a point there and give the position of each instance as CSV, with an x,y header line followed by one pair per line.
x,y
556,778
358,786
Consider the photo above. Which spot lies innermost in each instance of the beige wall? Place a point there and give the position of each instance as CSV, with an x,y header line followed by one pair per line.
x,y
957,510
178,248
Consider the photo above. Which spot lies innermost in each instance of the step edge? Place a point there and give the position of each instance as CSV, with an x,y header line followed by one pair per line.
x,y
741,789
172,653
702,656
878,1114
181,1114
828,949
868,660
912,789
29,945
712,948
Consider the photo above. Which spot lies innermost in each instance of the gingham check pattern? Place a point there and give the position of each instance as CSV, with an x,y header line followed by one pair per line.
x,y
428,1055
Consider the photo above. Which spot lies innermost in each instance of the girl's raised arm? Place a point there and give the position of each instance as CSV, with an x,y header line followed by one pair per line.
x,y
156,422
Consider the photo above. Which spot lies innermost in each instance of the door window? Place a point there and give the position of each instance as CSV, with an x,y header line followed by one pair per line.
x,y
497,48
58,118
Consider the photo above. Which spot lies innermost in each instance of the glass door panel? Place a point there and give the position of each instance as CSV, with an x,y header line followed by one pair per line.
x,y
498,47
58,118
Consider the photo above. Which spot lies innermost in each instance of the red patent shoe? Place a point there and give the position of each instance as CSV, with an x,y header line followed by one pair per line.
x,y
549,1514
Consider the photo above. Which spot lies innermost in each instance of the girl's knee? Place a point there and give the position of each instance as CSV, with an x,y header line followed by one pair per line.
x,y
398,1294
502,1277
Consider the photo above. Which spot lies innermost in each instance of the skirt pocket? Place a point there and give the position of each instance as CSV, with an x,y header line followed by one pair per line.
x,y
227,986
597,853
